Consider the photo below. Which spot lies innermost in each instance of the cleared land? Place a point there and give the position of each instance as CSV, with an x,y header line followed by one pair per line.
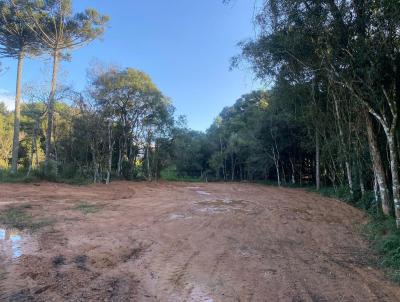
x,y
183,242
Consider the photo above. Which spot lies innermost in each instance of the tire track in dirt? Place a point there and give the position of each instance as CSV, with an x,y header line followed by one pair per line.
x,y
167,242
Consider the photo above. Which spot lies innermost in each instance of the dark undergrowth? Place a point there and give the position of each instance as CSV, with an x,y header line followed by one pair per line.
x,y
170,174
36,175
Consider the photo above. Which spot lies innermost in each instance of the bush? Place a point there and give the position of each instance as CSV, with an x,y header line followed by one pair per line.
x,y
20,176
381,232
171,174
341,192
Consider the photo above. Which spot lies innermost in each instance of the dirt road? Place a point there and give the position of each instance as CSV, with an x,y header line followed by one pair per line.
x,y
185,242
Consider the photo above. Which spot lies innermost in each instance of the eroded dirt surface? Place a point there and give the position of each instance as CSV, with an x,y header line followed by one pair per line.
x,y
186,242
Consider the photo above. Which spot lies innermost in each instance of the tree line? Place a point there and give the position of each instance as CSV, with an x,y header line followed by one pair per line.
x,y
331,115
30,28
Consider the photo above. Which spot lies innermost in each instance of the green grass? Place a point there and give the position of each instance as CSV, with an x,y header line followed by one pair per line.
x,y
341,192
170,174
183,179
87,208
18,218
384,237
19,177
268,182
76,181
381,232
37,175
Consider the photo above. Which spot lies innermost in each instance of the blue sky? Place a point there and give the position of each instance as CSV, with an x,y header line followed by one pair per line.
x,y
184,46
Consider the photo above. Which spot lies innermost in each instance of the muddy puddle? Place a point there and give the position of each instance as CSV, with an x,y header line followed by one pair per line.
x,y
203,193
175,216
215,206
198,190
14,244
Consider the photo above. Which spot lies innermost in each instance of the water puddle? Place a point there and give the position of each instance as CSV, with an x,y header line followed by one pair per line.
x,y
175,216
212,210
214,206
14,244
203,193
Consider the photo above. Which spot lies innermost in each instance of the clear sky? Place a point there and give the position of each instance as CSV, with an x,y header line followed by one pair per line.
x,y
184,45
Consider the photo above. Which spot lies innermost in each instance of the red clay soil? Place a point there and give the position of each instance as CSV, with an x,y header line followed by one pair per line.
x,y
186,242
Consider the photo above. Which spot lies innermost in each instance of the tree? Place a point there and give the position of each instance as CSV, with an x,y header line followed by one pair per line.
x,y
60,30
347,53
132,101
5,136
17,40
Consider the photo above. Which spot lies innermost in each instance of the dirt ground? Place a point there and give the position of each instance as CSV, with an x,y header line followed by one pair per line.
x,y
186,242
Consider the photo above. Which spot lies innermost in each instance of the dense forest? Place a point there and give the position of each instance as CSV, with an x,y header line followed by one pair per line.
x,y
327,117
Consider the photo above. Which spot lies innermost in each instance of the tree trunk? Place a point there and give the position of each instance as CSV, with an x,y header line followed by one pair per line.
x,y
349,178
376,195
277,173
360,177
233,166
119,167
377,165
95,167
50,109
317,162
395,174
17,114
283,174
148,163
276,162
222,159
34,146
110,151
341,136
301,173
293,171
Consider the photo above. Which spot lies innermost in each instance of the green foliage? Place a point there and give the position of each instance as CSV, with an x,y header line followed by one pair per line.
x,y
6,126
87,208
239,144
59,28
17,217
380,231
20,176
385,239
17,38
171,174
342,193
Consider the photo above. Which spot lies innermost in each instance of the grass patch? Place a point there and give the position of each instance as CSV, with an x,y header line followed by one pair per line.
x,y
183,179
19,177
268,182
37,175
76,181
3,274
87,208
381,232
170,174
384,237
18,218
342,193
